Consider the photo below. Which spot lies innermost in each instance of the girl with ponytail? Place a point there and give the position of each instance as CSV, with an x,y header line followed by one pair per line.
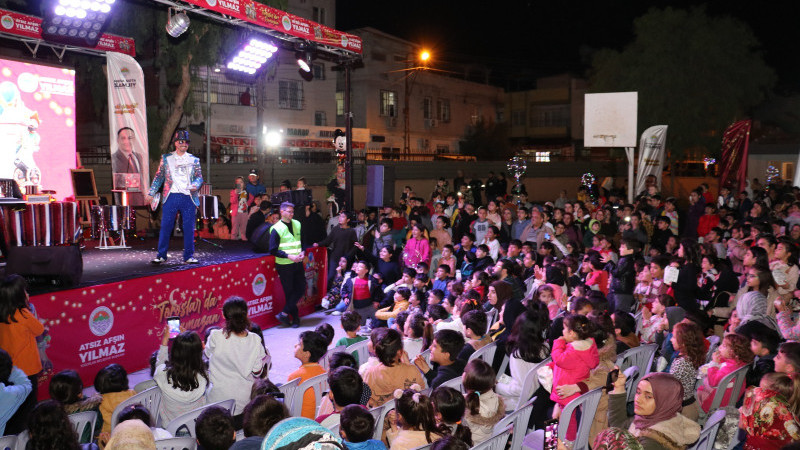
x,y
413,423
448,408
484,408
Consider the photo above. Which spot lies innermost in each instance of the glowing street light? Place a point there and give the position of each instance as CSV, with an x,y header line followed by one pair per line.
x,y
425,55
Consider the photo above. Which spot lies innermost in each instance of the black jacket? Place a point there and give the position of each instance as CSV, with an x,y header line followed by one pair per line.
x,y
623,275
439,374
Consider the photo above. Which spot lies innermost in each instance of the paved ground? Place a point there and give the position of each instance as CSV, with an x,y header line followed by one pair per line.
x,y
280,343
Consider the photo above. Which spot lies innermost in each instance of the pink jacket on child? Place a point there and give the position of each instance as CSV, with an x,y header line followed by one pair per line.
x,y
710,384
571,366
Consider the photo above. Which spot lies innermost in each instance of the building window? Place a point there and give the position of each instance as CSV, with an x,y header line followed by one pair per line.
x,y
318,15
339,103
443,110
318,70
550,116
442,149
542,156
427,108
518,118
320,119
290,94
388,103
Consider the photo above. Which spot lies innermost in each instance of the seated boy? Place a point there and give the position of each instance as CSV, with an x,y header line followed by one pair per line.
x,y
351,324
356,429
309,349
346,387
444,355
260,415
214,428
764,345
442,278
401,298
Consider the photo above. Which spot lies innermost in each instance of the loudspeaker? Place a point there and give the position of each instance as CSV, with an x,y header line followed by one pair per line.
x,y
60,264
380,185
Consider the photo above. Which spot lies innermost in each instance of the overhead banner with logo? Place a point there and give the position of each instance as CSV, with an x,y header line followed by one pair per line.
x,y
92,327
127,119
652,147
275,19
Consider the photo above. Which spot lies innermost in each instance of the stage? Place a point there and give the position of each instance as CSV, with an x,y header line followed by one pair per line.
x,y
118,312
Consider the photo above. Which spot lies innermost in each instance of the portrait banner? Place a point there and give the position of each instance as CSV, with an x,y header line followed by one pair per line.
x,y
652,147
127,119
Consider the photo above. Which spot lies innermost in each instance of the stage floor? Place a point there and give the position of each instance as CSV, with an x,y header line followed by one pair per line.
x,y
108,266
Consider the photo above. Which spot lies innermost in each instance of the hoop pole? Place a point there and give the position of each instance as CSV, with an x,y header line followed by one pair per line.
x,y
629,151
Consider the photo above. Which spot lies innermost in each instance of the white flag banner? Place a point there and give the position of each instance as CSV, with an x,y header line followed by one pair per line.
x,y
651,156
127,120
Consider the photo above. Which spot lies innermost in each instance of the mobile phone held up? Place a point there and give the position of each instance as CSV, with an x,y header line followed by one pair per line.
x,y
174,324
612,378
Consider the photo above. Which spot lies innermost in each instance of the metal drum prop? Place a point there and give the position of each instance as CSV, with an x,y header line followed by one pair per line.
x,y
112,218
209,207
42,224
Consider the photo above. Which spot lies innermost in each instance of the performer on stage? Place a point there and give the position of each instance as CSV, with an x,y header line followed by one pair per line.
x,y
285,245
181,176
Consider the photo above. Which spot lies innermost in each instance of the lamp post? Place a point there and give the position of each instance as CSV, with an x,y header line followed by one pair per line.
x,y
424,56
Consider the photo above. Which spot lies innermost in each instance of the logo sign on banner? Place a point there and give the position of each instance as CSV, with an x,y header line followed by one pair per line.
x,y
652,147
127,118
123,322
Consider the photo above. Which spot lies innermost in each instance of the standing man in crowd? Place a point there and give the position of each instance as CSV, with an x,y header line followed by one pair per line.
x,y
285,245
238,210
254,187
181,176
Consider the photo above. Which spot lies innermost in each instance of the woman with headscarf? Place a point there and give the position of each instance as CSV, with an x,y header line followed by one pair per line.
x,y
752,305
657,422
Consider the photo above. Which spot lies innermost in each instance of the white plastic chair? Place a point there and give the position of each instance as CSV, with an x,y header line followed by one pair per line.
x,y
384,410
714,342
518,420
81,420
638,318
631,381
324,361
335,428
319,384
362,350
176,443
641,357
588,405
709,433
737,377
188,420
426,355
455,383
150,399
8,442
496,442
288,389
503,366
485,353
530,384
491,318
22,440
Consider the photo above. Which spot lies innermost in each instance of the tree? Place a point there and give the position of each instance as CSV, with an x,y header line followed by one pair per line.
x,y
695,73
487,140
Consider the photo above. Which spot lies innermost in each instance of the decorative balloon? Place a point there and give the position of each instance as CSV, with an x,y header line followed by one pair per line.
x,y
772,174
708,161
516,168
587,179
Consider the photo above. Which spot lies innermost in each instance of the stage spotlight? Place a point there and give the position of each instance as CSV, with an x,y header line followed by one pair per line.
x,y
75,22
177,24
273,139
304,58
252,56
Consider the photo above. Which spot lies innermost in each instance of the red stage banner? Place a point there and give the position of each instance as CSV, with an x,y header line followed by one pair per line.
x,y
23,25
733,163
92,327
275,19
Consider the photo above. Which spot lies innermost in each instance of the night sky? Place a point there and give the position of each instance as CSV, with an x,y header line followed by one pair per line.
x,y
520,39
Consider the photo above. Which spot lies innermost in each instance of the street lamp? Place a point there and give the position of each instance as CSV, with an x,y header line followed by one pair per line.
x,y
423,56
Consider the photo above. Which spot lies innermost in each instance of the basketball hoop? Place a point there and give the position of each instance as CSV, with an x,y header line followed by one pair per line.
x,y
607,138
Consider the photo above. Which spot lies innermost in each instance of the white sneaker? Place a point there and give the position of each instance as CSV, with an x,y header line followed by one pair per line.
x,y
191,260
336,313
158,260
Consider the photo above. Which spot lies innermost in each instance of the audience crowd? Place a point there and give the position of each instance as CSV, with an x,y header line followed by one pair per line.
x,y
564,287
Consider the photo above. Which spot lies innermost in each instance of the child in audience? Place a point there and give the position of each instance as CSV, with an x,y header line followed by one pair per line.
x,y
308,350
769,413
139,412
788,358
259,416
448,259
401,302
574,355
484,408
356,429
235,357
66,388
449,407
214,428
733,353
414,336
444,356
413,423
112,383
345,389
393,370
182,378
474,329
654,319
326,330
764,345
351,323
